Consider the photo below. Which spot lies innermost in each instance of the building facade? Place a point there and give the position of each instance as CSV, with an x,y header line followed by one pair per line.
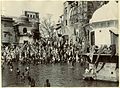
x,y
7,31
20,30
34,20
24,30
28,27
76,15
104,35
106,26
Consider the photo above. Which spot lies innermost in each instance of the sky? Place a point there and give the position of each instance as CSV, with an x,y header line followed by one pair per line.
x,y
15,8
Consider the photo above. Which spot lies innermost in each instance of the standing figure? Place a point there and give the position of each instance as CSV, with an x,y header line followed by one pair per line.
x,y
47,84
26,73
18,72
23,77
32,82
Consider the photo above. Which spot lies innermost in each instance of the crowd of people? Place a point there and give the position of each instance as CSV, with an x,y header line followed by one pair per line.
x,y
44,52
40,52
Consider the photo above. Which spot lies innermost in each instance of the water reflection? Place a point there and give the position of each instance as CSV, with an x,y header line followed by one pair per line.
x,y
60,75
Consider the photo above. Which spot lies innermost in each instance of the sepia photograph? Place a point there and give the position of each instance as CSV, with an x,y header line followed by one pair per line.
x,y
55,43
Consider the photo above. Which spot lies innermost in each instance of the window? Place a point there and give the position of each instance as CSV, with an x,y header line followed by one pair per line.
x,y
103,24
66,10
107,24
33,16
5,35
66,22
7,24
111,23
115,23
30,16
24,30
92,38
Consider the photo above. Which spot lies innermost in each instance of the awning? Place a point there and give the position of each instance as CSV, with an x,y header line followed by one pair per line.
x,y
115,31
111,29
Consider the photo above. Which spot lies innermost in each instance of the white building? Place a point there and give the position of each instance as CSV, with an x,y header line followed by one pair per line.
x,y
104,31
24,27
104,23
27,25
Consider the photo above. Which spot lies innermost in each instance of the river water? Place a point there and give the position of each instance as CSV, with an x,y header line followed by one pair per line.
x,y
59,75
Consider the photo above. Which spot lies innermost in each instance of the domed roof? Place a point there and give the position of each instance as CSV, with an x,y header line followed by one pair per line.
x,y
23,18
106,12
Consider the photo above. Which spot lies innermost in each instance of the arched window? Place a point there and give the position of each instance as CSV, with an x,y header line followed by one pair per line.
x,y
24,30
33,16
30,16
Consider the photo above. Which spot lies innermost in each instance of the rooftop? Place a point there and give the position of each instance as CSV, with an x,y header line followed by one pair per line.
x,y
106,12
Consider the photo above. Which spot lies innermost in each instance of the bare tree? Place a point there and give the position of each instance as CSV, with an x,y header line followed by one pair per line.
x,y
46,25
